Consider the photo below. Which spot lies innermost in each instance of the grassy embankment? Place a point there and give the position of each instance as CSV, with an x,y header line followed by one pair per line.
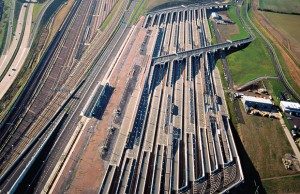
x,y
36,11
139,10
110,15
250,62
12,94
211,29
18,7
4,24
58,20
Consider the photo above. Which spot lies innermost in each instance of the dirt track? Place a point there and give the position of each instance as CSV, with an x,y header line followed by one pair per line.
x,y
279,40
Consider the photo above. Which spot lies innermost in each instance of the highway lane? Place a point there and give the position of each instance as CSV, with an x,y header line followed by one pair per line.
x,y
7,56
17,58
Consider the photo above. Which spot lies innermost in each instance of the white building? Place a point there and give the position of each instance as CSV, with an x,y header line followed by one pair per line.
x,y
290,107
214,15
258,103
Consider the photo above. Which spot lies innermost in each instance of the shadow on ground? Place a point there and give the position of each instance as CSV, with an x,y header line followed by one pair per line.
x,y
252,182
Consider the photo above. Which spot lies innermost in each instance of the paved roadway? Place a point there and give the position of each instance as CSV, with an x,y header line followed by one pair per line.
x,y
6,57
21,54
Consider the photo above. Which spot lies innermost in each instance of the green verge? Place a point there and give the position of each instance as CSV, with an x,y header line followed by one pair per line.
x,y
211,29
36,10
285,68
4,24
221,71
139,10
18,7
110,16
233,15
231,110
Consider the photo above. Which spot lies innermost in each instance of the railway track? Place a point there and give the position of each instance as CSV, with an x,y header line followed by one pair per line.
x,y
76,75
25,98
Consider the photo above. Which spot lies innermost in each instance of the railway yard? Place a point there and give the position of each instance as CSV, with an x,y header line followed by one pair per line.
x,y
125,109
178,137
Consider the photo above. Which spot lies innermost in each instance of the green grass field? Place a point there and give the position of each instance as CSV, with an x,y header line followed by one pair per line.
x,y
242,34
250,63
283,6
36,10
